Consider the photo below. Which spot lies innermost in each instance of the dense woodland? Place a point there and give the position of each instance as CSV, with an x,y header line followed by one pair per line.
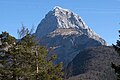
x,y
25,59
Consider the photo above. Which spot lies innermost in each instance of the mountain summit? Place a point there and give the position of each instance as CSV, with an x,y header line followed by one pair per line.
x,y
67,33
59,19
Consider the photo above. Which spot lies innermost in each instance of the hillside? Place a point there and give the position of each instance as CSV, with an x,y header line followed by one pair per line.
x,y
93,64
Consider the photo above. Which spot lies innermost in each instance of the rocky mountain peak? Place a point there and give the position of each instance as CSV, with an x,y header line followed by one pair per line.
x,y
60,11
59,8
66,33
68,19
59,20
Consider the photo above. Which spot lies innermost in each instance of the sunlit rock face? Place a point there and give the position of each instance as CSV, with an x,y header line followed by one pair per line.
x,y
66,33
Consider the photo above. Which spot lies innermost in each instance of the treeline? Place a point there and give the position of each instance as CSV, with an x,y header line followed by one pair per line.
x,y
25,59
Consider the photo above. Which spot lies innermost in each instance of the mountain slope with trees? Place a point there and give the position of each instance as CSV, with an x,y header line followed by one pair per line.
x,y
93,64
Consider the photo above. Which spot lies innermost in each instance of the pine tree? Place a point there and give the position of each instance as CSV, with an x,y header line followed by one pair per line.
x,y
7,42
26,60
41,66
117,67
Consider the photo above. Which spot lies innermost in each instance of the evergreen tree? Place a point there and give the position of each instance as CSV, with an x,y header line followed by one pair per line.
x,y
117,67
26,60
7,42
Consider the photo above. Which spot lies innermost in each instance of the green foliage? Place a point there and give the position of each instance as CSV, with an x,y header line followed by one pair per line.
x,y
26,60
5,37
117,67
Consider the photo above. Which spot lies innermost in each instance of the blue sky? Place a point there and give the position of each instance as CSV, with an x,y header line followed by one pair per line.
x,y
103,16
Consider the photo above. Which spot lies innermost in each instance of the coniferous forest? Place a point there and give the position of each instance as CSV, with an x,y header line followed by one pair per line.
x,y
25,59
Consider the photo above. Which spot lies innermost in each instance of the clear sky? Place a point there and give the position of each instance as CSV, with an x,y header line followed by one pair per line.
x,y
103,16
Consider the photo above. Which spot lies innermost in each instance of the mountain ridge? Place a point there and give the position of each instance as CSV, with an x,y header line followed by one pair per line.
x,y
60,18
66,33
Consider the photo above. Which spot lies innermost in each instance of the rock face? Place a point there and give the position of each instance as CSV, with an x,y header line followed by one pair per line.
x,y
93,64
66,33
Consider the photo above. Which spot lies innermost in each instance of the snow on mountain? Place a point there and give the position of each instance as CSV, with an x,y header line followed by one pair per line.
x,y
59,19
67,32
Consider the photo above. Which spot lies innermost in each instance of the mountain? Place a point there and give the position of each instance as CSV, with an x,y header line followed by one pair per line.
x,y
93,64
66,34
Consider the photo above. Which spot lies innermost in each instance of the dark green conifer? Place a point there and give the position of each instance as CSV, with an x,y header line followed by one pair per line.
x,y
26,60
117,67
